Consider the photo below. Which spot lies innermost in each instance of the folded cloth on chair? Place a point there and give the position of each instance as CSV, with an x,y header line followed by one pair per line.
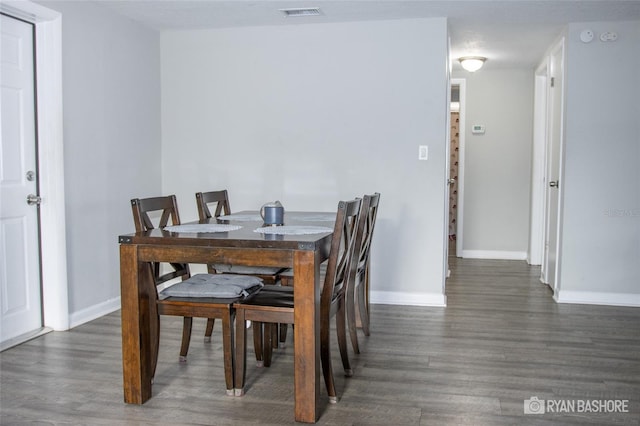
x,y
214,285
245,270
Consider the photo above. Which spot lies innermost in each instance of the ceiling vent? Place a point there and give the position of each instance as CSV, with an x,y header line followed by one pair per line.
x,y
307,11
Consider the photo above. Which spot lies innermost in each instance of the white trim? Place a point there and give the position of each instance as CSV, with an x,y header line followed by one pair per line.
x,y
494,254
48,24
560,46
538,162
408,299
18,340
94,312
598,298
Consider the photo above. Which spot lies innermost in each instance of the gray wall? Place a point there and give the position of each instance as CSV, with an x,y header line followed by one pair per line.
x,y
309,115
111,100
601,220
325,101
497,163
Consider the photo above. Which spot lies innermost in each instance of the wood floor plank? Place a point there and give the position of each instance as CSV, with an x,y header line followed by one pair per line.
x,y
501,340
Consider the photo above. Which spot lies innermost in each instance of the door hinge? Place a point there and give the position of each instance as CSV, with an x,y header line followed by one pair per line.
x,y
553,81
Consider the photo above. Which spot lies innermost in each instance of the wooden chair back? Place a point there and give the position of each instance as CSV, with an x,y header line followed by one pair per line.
x,y
221,200
167,207
367,221
357,293
340,262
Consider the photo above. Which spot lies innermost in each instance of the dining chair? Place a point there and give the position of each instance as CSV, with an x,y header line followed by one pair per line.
x,y
167,208
218,202
275,304
215,204
358,283
210,296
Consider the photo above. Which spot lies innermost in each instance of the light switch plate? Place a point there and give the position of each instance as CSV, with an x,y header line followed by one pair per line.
x,y
423,152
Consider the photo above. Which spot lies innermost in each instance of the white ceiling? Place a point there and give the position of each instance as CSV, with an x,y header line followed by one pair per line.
x,y
511,33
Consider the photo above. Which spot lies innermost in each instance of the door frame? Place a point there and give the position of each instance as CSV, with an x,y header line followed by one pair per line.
x,y
462,84
537,222
53,252
558,47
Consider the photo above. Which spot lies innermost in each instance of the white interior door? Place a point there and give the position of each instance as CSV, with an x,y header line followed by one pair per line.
x,y
20,292
554,153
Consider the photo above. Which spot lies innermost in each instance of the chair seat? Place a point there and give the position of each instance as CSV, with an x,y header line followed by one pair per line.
x,y
246,270
214,286
272,296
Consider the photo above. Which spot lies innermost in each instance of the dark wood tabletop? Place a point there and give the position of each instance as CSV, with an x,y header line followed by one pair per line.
x,y
244,237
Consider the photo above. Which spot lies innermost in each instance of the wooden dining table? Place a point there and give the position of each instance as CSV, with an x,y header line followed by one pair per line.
x,y
303,253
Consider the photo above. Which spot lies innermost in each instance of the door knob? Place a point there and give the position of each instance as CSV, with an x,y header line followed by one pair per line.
x,y
554,184
33,199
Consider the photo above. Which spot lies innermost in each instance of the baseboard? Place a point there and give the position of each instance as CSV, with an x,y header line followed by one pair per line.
x,y
409,299
494,254
18,340
598,298
93,312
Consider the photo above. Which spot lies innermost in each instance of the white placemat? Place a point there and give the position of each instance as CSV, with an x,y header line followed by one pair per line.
x,y
321,217
293,230
242,217
197,228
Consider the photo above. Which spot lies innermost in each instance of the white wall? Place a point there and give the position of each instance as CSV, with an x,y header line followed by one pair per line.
x,y
309,115
601,222
111,100
497,163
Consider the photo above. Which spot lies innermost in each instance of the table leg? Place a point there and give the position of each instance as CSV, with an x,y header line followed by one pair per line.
x,y
136,342
306,336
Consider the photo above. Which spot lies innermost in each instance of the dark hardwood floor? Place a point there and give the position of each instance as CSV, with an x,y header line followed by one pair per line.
x,y
501,340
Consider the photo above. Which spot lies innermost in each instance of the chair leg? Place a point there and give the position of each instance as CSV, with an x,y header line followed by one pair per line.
x,y
275,338
351,319
209,330
241,352
186,338
269,339
363,308
283,334
341,327
154,316
257,342
327,368
228,348
365,313
154,333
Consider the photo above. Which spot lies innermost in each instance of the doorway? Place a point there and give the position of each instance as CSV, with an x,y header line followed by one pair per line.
x,y
49,154
553,171
20,295
456,165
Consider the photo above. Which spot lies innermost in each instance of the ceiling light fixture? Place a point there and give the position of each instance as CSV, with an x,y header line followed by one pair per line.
x,y
472,63
307,11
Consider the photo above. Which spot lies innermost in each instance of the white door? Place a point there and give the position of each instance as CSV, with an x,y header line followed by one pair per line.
x,y
554,152
20,294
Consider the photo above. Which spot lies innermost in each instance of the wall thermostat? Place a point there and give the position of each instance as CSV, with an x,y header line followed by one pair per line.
x,y
477,129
